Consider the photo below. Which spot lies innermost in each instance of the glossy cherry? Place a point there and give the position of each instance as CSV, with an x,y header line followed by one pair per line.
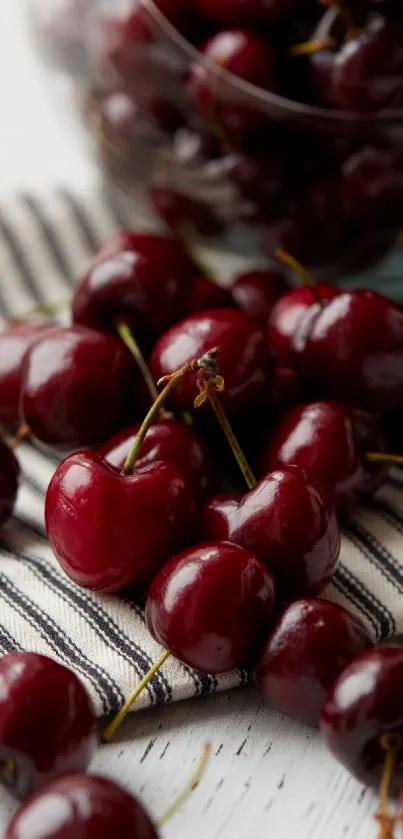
x,y
244,363
287,313
287,523
14,343
9,476
206,294
111,530
372,188
81,807
309,645
257,291
353,349
170,441
182,214
141,278
78,386
365,702
328,440
210,606
242,53
47,724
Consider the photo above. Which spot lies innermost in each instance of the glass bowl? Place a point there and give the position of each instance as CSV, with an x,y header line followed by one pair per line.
x,y
225,162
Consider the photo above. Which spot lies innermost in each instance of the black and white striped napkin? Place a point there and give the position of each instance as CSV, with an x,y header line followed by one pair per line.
x,y
44,243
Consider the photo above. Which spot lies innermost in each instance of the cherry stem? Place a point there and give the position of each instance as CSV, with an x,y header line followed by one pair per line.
x,y
351,29
190,787
391,744
41,309
8,767
126,335
172,380
311,47
384,457
22,434
122,714
299,269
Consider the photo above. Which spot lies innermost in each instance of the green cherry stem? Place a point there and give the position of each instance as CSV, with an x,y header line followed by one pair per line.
x,y
299,269
190,787
384,457
41,309
122,714
126,335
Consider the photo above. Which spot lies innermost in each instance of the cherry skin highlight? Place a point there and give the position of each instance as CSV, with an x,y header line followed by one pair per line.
x,y
353,349
47,724
328,440
244,363
287,523
288,312
170,441
14,343
78,386
210,606
81,807
110,531
9,477
365,702
309,645
141,278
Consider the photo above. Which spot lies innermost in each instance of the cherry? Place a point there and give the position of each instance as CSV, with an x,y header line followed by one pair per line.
x,y
353,348
210,605
141,278
47,725
111,530
367,72
287,313
9,475
183,214
170,441
247,11
206,294
259,180
365,703
81,807
257,291
14,343
78,386
287,523
329,441
243,361
372,188
309,645
242,53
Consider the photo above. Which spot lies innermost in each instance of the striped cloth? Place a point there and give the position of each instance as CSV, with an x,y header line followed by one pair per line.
x,y
44,243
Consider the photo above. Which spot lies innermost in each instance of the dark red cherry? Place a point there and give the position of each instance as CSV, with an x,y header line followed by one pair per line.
x,y
170,441
287,523
329,440
243,362
372,188
47,724
141,278
287,313
367,72
14,343
206,294
109,530
9,476
353,349
81,807
242,53
365,702
257,291
210,606
182,214
250,12
78,386
310,644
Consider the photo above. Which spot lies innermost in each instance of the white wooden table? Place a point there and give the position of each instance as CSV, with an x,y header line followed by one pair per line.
x,y
269,776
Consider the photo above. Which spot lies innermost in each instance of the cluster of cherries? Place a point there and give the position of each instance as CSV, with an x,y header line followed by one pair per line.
x,y
229,134
304,377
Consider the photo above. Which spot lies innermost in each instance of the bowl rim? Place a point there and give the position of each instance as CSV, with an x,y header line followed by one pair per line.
x,y
289,106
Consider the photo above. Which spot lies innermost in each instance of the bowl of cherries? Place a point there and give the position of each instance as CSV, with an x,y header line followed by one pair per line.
x,y
273,125
215,440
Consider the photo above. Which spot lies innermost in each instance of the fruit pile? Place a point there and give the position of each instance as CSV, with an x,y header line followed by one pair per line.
x,y
284,116
151,501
